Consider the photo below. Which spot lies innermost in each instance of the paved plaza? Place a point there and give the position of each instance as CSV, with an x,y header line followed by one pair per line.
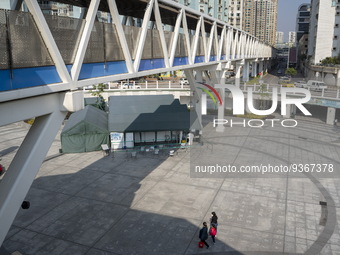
x,y
93,204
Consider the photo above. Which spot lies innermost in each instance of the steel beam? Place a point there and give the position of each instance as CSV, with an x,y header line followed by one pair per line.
x,y
46,34
26,164
85,37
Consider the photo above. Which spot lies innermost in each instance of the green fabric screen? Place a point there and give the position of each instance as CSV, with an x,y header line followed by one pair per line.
x,y
86,130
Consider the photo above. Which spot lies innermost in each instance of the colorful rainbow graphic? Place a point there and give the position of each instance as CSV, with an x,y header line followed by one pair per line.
x,y
210,94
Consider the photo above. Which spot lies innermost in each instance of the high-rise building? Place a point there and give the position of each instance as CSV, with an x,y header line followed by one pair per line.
x,y
302,30
302,21
324,32
214,8
266,20
59,9
292,38
257,17
236,13
279,37
249,16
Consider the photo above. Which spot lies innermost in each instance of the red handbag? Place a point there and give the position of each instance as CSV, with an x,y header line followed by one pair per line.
x,y
200,244
213,231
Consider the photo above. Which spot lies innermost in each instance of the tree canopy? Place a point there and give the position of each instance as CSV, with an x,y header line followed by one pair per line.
x,y
291,71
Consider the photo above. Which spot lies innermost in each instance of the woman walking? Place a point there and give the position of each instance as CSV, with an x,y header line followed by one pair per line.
x,y
213,220
203,236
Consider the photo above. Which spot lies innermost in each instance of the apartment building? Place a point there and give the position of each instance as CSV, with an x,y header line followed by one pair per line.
x,y
214,8
291,38
257,17
265,20
236,13
324,30
279,37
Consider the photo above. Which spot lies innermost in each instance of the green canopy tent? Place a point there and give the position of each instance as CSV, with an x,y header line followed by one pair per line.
x,y
86,130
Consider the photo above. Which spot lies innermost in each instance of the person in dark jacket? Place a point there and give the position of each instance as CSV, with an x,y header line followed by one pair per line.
x,y
203,236
213,220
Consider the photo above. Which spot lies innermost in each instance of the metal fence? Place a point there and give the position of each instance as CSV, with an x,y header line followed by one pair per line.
x,y
21,44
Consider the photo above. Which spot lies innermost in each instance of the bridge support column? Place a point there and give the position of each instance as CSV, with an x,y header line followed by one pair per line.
x,y
25,166
288,111
196,98
246,71
337,82
330,115
221,107
265,66
204,104
238,73
261,67
254,69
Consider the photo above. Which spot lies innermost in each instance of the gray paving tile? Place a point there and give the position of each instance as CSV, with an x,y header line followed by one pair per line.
x,y
249,211
32,243
79,220
67,180
41,203
178,200
120,205
118,189
231,238
147,233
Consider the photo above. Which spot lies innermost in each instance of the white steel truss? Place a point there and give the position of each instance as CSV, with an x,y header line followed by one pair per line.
x,y
231,42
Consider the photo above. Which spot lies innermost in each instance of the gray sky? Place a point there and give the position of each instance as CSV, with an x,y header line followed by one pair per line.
x,y
286,17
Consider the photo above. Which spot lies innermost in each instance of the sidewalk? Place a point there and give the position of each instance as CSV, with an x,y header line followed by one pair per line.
x,y
93,204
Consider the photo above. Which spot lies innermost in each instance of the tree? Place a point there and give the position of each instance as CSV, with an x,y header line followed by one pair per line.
x,y
291,71
331,60
99,89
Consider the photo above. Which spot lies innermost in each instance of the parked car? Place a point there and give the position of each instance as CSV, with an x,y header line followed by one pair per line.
x,y
129,86
311,85
183,81
284,81
300,84
229,74
280,71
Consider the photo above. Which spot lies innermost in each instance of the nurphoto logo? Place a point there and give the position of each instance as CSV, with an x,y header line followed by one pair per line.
x,y
298,96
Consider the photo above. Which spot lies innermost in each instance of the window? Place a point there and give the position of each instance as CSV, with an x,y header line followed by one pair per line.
x,y
334,49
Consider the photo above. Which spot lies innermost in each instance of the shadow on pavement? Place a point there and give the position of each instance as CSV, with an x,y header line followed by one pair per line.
x,y
108,207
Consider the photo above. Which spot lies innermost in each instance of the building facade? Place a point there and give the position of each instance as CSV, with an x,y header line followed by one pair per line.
x,y
279,37
236,12
302,21
249,16
324,30
59,9
291,38
257,17
214,8
266,20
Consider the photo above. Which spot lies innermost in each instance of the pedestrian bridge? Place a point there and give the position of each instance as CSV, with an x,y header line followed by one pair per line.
x,y
67,53
47,60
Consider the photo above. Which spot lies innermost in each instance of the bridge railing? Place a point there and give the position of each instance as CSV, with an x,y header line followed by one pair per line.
x,y
329,93
147,85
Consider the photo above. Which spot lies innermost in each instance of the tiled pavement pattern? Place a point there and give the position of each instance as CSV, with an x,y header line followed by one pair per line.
x,y
91,204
